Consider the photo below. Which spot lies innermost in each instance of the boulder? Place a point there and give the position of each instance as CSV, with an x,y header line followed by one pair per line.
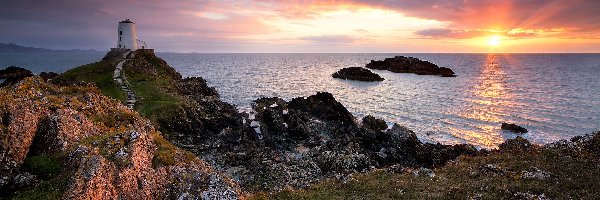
x,y
401,64
516,145
356,73
513,128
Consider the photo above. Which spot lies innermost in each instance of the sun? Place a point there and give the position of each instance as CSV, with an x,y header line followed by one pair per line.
x,y
494,40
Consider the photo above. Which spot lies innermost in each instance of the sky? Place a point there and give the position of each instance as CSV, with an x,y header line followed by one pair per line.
x,y
343,26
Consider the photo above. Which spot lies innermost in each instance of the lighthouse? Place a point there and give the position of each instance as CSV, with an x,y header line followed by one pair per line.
x,y
127,35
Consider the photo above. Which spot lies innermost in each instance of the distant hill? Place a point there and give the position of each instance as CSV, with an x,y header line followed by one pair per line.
x,y
14,48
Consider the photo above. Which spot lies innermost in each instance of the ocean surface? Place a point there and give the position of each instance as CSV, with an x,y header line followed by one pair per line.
x,y
49,62
555,96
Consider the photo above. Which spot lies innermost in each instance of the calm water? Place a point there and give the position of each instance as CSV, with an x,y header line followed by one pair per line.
x,y
555,96
49,62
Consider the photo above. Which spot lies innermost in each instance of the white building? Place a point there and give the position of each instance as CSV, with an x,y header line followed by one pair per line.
x,y
127,35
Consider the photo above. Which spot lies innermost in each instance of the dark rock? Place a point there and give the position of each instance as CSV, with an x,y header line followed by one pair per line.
x,y
373,123
13,75
195,87
48,75
401,64
356,73
518,144
513,128
323,106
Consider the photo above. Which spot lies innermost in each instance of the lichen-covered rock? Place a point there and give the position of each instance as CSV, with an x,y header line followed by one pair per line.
x,y
105,150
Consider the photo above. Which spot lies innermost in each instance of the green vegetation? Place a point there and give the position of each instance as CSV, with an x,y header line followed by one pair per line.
x,y
498,176
44,166
154,87
167,152
50,189
52,183
115,119
99,73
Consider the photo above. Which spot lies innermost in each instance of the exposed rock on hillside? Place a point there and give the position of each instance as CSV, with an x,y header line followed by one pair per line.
x,y
401,64
356,73
101,149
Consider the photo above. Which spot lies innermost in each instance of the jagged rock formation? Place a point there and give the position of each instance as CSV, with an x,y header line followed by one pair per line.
x,y
12,75
401,64
356,73
100,150
308,139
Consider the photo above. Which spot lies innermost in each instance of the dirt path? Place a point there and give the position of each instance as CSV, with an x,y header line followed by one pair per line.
x,y
122,82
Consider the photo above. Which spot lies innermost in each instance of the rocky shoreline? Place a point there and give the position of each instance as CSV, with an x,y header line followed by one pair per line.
x,y
196,146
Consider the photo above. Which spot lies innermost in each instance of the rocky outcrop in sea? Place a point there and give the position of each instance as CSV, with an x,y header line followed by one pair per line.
x,y
356,73
401,64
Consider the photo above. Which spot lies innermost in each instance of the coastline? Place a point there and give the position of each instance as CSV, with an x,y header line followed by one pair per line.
x,y
300,143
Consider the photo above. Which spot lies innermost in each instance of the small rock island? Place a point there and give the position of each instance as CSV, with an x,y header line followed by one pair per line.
x,y
513,128
402,64
357,73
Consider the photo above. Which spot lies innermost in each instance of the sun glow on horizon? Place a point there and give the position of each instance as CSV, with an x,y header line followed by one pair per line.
x,y
494,41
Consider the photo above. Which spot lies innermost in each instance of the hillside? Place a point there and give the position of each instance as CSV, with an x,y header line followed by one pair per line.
x,y
72,142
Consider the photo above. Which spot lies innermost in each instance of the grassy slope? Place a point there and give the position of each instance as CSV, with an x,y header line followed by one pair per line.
x,y
99,73
570,177
152,91
153,100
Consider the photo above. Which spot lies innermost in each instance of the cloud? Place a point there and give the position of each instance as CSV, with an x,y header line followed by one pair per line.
x,y
469,34
330,39
228,25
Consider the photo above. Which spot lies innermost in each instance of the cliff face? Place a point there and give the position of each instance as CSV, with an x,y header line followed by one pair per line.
x,y
101,149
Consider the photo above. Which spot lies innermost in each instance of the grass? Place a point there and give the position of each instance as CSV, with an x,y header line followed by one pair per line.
x,y
99,73
166,152
52,180
116,119
571,178
156,98
44,166
50,189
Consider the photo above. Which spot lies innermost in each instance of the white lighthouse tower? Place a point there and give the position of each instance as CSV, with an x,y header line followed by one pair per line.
x,y
127,35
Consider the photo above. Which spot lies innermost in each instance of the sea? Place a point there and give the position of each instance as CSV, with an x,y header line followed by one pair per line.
x,y
554,96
